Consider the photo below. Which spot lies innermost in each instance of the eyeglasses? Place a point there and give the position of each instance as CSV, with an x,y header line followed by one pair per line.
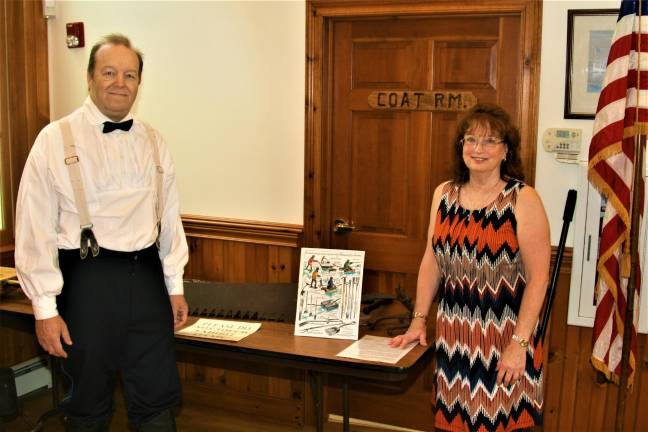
x,y
486,142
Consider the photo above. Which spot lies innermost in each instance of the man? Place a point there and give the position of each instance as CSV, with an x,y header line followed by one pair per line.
x,y
98,193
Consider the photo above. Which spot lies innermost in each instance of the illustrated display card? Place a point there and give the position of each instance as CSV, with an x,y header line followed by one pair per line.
x,y
328,293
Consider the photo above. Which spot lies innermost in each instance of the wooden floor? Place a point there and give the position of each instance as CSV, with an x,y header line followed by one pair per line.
x,y
194,419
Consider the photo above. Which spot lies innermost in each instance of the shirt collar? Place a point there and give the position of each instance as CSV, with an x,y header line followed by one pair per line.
x,y
95,116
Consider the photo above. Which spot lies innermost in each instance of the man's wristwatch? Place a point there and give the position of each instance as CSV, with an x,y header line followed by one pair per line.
x,y
520,340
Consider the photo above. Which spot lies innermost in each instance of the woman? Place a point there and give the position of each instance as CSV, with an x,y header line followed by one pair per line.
x,y
488,251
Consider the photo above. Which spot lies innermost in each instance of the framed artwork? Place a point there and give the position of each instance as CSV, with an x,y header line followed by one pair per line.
x,y
589,36
328,293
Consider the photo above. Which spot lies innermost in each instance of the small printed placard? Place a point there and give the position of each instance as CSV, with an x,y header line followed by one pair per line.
x,y
220,329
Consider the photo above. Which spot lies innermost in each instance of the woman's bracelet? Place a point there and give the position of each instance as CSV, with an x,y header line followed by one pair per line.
x,y
419,315
520,340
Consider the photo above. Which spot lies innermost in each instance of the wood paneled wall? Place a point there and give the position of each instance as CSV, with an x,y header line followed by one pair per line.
x,y
243,251
247,251
17,341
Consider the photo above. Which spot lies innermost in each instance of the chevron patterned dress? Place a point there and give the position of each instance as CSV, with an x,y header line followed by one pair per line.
x,y
482,283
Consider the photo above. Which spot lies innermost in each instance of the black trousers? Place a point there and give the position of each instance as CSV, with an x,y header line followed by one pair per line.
x,y
117,310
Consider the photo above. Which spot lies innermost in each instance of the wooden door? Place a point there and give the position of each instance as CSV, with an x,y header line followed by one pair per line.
x,y
377,169
386,164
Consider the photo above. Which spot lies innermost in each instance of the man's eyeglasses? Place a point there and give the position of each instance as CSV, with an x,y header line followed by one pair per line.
x,y
486,142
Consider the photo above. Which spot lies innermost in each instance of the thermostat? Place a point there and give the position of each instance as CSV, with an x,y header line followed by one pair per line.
x,y
563,141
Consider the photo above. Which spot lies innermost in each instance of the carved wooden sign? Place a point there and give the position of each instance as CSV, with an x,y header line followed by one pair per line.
x,y
413,100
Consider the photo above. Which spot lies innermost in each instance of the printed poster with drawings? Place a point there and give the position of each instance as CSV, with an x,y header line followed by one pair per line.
x,y
328,293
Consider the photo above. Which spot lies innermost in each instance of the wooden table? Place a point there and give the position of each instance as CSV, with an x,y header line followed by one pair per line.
x,y
274,343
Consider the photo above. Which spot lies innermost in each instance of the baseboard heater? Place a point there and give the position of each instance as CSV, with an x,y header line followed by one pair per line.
x,y
31,375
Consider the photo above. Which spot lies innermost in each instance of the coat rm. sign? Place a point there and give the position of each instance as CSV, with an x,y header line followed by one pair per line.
x,y
422,100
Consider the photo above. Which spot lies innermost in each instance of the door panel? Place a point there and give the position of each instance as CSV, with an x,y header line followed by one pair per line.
x,y
476,59
378,172
377,64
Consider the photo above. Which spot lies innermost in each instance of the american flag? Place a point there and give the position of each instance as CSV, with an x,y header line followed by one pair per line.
x,y
622,111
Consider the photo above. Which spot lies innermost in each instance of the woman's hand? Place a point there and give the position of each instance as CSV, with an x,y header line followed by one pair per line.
x,y
511,365
417,332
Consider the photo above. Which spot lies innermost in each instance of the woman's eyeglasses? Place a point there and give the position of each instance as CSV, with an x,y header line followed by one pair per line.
x,y
486,142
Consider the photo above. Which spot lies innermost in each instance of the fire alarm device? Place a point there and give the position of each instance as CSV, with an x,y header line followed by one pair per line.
x,y
49,9
74,32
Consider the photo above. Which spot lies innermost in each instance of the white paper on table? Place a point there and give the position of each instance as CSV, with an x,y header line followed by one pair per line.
x,y
220,329
375,348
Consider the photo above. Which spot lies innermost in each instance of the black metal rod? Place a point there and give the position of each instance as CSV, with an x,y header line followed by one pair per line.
x,y
568,215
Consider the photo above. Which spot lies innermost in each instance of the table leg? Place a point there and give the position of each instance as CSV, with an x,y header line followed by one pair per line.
x,y
315,380
345,404
54,367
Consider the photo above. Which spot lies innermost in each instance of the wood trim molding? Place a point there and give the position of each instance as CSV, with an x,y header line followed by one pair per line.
x,y
270,233
24,96
346,8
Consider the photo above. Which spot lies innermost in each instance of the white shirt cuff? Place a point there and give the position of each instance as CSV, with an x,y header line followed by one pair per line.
x,y
44,307
175,285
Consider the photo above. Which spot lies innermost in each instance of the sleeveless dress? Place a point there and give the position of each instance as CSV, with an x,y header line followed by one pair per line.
x,y
482,283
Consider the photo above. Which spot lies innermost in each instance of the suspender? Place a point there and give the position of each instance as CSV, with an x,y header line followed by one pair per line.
x,y
88,239
159,174
72,161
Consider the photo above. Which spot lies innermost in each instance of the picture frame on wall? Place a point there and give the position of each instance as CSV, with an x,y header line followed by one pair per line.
x,y
589,36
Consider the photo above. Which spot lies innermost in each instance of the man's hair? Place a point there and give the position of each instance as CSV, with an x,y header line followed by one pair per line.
x,y
495,118
114,39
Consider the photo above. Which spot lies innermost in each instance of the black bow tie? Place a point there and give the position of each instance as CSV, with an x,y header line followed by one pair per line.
x,y
110,126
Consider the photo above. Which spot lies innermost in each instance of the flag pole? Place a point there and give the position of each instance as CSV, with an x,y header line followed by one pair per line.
x,y
632,277
630,254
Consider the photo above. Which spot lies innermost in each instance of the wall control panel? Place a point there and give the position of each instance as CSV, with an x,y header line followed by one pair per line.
x,y
562,140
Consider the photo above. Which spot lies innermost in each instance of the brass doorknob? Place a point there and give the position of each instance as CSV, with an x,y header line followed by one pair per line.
x,y
341,226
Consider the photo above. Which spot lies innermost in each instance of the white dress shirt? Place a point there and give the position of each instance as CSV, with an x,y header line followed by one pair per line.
x,y
118,174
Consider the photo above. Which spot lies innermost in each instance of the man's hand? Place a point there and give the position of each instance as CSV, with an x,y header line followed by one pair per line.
x,y
180,310
50,331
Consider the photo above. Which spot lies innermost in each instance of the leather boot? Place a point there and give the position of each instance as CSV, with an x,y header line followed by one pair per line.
x,y
162,422
79,425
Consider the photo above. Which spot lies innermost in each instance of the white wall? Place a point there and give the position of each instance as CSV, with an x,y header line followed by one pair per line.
x,y
223,82
554,179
